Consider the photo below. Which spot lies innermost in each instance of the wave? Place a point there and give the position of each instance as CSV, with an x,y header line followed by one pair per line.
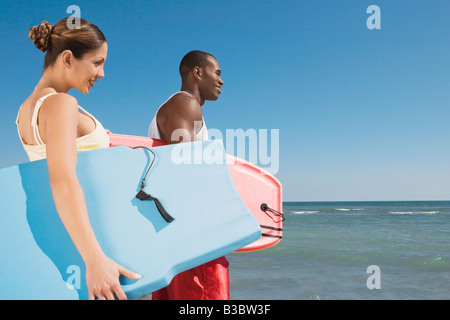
x,y
319,211
303,212
414,212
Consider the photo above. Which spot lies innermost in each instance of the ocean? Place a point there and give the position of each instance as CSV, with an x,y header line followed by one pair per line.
x,y
396,250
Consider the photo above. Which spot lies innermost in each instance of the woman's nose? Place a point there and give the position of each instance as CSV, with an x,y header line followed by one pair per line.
x,y
101,73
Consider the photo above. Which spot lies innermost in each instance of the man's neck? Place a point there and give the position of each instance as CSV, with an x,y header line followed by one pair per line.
x,y
193,91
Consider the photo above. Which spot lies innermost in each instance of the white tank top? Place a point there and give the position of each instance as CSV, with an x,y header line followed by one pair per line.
x,y
95,140
153,131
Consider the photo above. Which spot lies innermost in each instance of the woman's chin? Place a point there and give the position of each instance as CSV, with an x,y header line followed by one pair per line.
x,y
84,90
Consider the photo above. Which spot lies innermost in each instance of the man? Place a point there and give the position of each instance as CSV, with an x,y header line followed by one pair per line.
x,y
200,75
182,112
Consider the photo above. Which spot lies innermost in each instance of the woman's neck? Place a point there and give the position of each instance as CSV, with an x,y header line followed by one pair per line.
x,y
53,78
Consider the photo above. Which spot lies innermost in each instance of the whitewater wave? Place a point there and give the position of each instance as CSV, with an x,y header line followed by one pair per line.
x,y
304,212
414,212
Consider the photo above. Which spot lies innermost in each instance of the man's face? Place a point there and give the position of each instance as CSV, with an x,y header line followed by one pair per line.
x,y
211,83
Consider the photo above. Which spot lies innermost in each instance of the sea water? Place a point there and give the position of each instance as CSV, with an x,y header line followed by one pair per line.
x,y
351,250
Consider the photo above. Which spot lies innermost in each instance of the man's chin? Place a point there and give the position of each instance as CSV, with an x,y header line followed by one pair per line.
x,y
213,98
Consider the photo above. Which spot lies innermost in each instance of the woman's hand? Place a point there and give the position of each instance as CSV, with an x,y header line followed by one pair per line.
x,y
102,277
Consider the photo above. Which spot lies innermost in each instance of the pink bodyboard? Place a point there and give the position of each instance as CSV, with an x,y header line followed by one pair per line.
x,y
255,186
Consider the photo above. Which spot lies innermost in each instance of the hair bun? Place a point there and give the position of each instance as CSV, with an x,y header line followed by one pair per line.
x,y
41,35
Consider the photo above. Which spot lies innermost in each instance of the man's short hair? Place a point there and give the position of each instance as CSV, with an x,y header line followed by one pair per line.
x,y
195,58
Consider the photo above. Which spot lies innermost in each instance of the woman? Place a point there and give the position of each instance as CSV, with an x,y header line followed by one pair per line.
x,y
50,125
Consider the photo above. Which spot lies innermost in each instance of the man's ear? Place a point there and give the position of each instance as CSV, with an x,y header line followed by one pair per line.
x,y
67,58
197,73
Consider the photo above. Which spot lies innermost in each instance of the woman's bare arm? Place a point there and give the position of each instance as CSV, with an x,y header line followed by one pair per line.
x,y
60,120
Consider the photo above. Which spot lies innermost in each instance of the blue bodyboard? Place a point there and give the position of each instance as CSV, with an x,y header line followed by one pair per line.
x,y
40,261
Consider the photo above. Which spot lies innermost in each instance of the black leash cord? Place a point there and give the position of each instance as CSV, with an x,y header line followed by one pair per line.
x,y
142,195
149,167
265,207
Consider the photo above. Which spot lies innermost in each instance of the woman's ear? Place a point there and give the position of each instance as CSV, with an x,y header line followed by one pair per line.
x,y
67,58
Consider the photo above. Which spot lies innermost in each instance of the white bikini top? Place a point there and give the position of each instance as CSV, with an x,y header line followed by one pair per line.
x,y
95,140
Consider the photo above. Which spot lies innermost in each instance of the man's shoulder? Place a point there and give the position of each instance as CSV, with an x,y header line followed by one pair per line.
x,y
183,98
182,104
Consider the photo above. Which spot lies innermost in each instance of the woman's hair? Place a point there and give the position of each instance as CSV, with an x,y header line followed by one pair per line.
x,y
55,39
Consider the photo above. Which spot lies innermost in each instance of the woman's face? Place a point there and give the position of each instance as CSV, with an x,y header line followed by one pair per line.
x,y
88,69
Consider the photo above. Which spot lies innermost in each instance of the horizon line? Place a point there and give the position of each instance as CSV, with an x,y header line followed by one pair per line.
x,y
365,200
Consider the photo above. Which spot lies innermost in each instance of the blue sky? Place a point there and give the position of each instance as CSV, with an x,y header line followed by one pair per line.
x,y
362,114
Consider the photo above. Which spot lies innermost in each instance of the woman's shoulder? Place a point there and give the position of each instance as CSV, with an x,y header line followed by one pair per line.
x,y
58,104
36,100
60,98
